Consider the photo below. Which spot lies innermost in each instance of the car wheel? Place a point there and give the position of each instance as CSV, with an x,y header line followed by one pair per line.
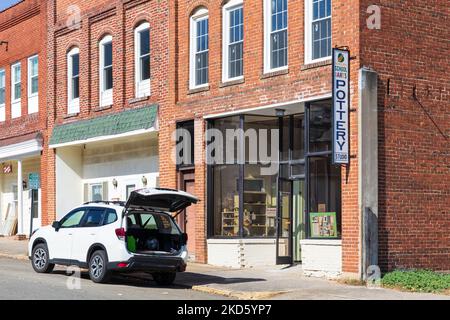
x,y
40,259
164,278
98,270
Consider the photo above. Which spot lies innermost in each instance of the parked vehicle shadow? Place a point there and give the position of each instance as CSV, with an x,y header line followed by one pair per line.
x,y
184,280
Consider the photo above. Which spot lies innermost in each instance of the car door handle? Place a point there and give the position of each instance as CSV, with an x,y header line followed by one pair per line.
x,y
92,234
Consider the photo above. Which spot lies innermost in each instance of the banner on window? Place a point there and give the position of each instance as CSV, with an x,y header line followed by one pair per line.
x,y
341,102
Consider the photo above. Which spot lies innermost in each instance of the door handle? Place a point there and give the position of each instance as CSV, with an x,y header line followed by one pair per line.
x,y
92,234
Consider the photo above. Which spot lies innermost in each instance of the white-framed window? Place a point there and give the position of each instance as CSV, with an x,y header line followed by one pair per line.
x,y
106,71
275,35
142,59
73,81
233,41
317,30
2,94
199,49
33,84
16,88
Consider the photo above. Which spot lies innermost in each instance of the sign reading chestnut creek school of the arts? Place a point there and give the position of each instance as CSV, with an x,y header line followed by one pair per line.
x,y
341,102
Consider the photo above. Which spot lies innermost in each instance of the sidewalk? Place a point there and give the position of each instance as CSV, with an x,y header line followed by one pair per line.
x,y
11,248
274,282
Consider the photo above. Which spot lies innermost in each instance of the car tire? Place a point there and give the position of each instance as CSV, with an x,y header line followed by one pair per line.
x,y
164,278
40,259
98,267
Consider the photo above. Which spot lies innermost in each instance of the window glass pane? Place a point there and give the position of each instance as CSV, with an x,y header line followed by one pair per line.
x,y
34,85
185,138
17,74
298,148
321,29
235,50
145,42
2,95
111,216
285,141
17,93
97,192
201,68
320,129
108,84
260,202
75,65
279,14
254,126
324,197
2,87
222,125
279,49
73,219
34,66
145,68
226,200
297,169
108,54
93,218
75,88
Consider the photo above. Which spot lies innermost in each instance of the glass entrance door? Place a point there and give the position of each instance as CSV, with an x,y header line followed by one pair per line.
x,y
284,222
298,221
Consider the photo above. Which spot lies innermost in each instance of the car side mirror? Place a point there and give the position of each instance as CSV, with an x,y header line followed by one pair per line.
x,y
56,225
184,238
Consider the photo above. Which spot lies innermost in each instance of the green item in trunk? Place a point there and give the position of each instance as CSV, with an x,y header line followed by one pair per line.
x,y
131,242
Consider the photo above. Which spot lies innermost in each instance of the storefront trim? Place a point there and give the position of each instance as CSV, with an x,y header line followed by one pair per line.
x,y
21,150
270,106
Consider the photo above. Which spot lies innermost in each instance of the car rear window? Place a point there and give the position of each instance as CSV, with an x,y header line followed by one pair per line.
x,y
152,221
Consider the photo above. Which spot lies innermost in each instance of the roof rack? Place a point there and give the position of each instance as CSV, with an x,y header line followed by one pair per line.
x,y
119,203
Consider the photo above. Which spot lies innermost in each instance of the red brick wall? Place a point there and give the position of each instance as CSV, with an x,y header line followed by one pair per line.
x,y
300,82
411,50
23,26
99,18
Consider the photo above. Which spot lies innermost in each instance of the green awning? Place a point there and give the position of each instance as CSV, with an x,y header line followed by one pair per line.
x,y
108,125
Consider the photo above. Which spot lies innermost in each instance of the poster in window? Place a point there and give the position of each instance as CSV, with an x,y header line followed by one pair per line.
x,y
323,224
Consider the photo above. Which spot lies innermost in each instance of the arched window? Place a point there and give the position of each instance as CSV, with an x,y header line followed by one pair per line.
x,y
142,59
73,81
233,41
106,71
199,49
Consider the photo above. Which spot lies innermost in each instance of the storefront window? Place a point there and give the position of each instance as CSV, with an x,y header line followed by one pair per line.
x,y
298,141
324,198
226,200
260,202
320,127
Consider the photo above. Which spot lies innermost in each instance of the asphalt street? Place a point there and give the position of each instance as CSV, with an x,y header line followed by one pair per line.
x,y
19,281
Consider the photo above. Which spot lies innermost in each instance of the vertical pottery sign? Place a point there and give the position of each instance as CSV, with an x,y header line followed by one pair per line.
x,y
341,102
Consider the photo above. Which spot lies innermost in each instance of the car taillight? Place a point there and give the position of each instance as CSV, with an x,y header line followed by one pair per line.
x,y
120,233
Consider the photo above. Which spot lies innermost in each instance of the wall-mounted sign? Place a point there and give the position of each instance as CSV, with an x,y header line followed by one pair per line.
x,y
323,224
341,102
7,168
34,181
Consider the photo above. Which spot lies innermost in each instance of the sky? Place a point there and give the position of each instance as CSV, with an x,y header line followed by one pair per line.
x,y
7,3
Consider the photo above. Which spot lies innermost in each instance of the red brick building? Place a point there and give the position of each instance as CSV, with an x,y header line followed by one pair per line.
x,y
23,131
396,186
107,65
121,76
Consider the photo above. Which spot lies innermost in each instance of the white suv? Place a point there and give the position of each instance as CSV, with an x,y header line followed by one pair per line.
x,y
139,235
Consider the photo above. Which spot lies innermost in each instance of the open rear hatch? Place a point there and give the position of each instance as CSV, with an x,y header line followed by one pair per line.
x,y
149,227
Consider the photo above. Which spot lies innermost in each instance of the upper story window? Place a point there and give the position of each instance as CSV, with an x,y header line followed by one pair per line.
x,y
199,47
33,84
2,94
276,37
233,41
73,81
318,30
142,59
106,71
16,87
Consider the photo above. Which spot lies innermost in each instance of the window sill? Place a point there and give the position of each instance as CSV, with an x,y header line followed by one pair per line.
x,y
272,74
317,64
231,83
198,90
101,108
137,100
71,115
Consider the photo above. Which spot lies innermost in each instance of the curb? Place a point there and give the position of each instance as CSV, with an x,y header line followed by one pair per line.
x,y
14,256
241,295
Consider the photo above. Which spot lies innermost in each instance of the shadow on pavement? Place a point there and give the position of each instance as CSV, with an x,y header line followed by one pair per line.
x,y
184,280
